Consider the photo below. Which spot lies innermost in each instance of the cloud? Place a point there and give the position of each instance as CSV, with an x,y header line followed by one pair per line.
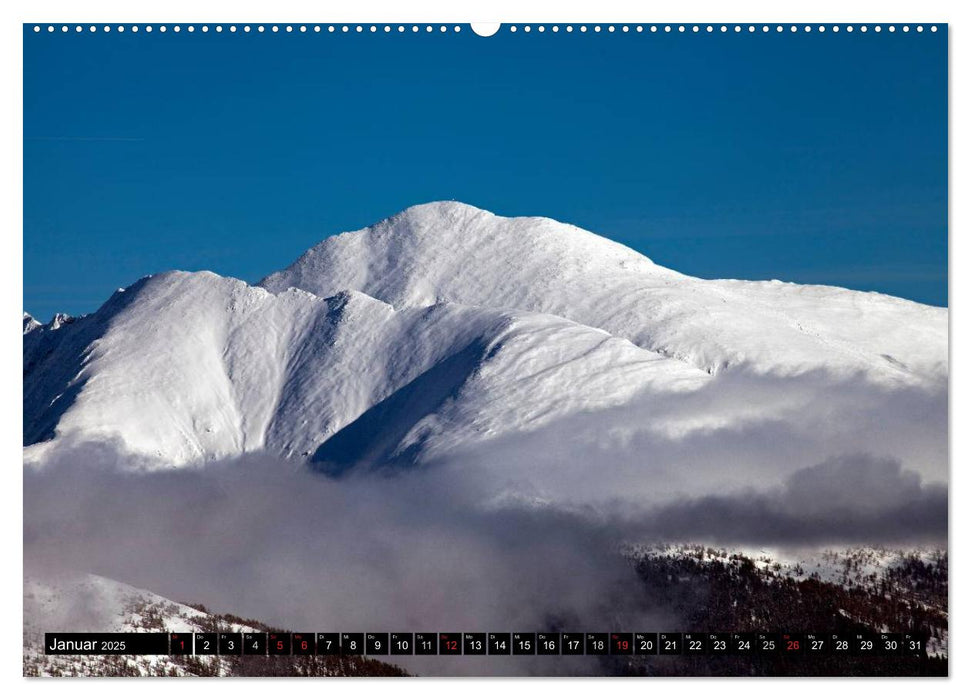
x,y
521,533
739,434
850,499
259,538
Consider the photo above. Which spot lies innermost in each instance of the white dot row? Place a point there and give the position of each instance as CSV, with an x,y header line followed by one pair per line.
x,y
232,28
303,28
738,28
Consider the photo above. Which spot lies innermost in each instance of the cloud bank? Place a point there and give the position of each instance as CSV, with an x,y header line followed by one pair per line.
x,y
522,534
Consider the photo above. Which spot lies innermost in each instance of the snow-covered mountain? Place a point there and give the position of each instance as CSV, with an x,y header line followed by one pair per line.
x,y
437,329
455,252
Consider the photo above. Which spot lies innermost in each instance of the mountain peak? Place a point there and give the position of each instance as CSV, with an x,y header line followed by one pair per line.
x,y
444,219
58,320
442,208
449,251
30,323
452,251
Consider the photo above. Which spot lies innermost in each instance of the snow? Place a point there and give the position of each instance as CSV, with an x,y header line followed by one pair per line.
x,y
86,603
848,568
30,323
195,366
456,252
435,330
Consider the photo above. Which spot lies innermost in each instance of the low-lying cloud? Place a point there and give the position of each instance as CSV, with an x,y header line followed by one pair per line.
x,y
521,534
739,434
262,538
849,499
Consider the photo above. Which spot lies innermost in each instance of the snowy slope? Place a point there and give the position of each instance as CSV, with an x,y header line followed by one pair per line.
x,y
30,323
455,252
90,603
435,330
188,367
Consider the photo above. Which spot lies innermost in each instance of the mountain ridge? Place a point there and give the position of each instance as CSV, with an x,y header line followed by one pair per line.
x,y
455,252
435,329
192,366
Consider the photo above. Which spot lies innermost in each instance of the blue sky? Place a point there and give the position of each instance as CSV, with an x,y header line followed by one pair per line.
x,y
803,157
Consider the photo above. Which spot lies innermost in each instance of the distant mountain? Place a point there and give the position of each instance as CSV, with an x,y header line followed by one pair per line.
x,y
440,328
860,590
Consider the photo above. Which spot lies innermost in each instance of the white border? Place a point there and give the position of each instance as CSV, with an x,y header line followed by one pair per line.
x,y
439,11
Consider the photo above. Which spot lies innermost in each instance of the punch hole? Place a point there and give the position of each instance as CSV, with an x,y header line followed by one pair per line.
x,y
485,28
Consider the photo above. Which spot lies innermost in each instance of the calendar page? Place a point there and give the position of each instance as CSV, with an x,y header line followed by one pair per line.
x,y
519,349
